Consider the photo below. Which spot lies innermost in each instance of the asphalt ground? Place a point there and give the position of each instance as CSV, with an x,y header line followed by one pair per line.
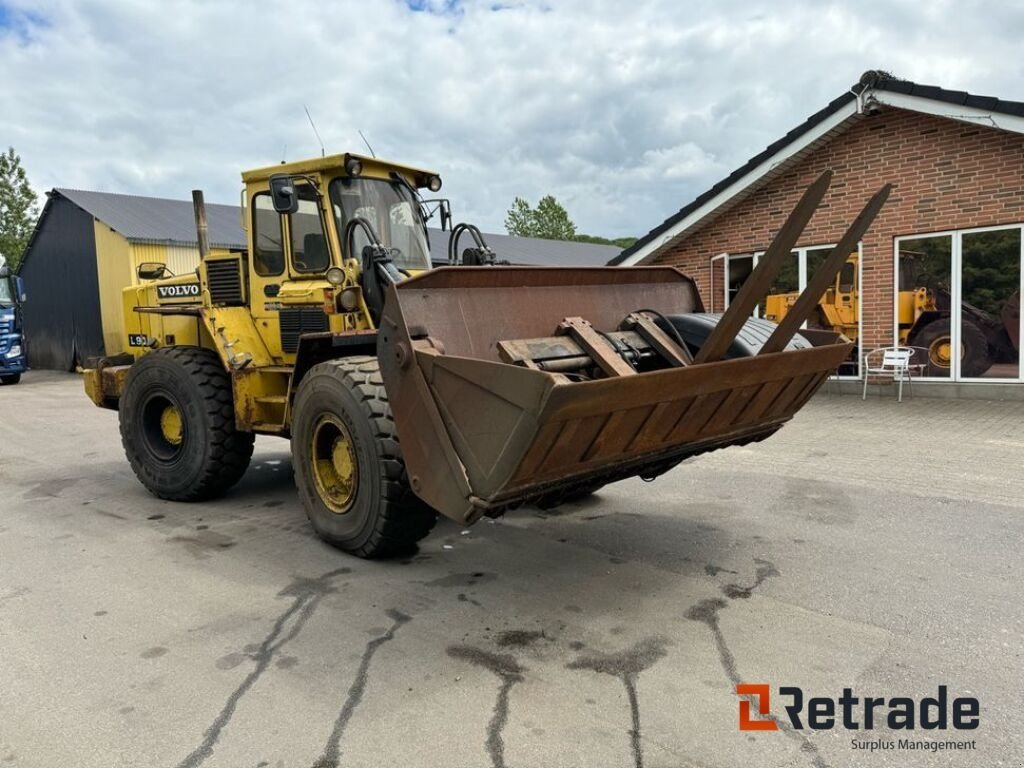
x,y
868,545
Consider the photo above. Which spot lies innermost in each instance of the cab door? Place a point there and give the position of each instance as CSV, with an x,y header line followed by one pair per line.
x,y
267,273
308,257
290,255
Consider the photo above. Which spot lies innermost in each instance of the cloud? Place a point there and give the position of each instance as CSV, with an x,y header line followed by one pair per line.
x,y
624,112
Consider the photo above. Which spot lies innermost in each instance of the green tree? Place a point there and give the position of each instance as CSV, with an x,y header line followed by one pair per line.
x,y
519,220
18,210
548,220
619,242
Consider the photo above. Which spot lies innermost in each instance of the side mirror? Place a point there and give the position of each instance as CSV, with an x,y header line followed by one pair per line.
x,y
19,289
151,270
283,194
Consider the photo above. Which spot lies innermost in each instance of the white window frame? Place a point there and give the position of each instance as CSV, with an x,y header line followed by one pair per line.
x,y
724,259
803,276
955,298
728,260
801,255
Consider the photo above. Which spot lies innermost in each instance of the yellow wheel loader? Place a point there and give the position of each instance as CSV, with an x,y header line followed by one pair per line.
x,y
923,319
466,390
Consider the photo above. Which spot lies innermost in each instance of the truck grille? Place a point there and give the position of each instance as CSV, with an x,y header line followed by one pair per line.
x,y
224,279
295,322
6,326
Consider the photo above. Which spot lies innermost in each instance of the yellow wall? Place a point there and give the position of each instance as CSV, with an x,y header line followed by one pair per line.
x,y
142,252
116,264
182,260
116,272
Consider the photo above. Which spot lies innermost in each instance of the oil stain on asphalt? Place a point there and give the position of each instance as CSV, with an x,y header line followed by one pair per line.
x,y
706,612
520,638
332,750
627,666
307,594
460,580
510,672
203,543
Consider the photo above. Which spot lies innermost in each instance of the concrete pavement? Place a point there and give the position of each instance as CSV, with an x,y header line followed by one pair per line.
x,y
867,545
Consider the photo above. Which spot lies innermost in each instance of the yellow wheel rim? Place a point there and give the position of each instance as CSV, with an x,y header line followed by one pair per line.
x,y
170,424
335,468
941,352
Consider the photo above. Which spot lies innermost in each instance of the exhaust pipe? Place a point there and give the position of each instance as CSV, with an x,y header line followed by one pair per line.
x,y
202,231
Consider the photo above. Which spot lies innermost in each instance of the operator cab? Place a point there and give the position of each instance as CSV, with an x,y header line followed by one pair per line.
x,y
326,238
12,345
368,202
12,289
6,291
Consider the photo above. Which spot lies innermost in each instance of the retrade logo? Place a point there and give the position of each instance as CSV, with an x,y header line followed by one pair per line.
x,y
760,694
854,713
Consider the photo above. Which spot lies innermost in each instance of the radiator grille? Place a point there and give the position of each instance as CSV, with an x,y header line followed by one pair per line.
x,y
295,322
224,278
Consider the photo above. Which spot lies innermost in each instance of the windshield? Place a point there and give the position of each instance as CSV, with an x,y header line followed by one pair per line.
x,y
6,293
393,213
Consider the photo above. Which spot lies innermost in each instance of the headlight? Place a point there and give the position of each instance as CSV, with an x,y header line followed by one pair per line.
x,y
14,351
434,183
349,299
335,276
353,166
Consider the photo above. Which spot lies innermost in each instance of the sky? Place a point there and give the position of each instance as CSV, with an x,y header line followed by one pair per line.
x,y
624,110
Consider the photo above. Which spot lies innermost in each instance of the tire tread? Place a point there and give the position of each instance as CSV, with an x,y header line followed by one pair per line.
x,y
230,448
404,518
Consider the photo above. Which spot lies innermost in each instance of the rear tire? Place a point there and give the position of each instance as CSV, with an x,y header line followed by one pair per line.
x,y
14,378
348,464
178,428
976,358
935,338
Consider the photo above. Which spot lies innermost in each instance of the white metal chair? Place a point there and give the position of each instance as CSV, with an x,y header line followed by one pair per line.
x,y
892,363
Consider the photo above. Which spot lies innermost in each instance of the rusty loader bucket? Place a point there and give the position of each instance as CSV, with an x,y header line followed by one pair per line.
x,y
514,385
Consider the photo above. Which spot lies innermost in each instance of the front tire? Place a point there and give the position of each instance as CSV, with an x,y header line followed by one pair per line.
x,y
178,428
348,464
14,378
936,339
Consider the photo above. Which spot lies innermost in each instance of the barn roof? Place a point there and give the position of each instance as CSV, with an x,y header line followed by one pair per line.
x,y
529,251
158,219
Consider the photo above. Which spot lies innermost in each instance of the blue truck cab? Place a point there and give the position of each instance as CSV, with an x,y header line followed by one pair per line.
x,y
13,360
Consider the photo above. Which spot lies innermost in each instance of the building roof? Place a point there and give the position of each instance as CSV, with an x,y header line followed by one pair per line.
x,y
529,251
157,219
874,91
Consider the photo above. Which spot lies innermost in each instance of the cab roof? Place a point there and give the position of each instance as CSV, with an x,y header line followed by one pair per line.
x,y
336,164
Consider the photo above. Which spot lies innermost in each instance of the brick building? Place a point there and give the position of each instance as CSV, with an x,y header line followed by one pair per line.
x,y
939,270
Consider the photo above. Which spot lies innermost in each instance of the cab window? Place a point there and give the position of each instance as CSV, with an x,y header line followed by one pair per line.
x,y
267,239
309,241
848,278
393,213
